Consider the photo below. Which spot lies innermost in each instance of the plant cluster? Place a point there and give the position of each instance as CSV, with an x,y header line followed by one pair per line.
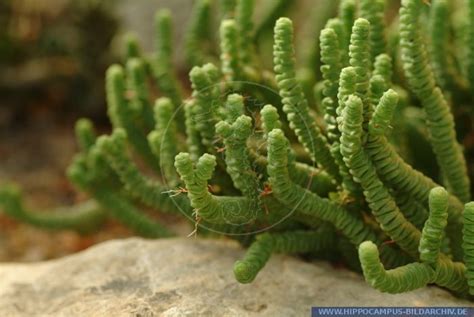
x,y
249,154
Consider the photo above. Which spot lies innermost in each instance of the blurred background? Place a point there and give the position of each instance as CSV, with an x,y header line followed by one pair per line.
x,y
53,58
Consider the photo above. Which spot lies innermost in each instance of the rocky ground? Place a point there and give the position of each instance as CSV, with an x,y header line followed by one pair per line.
x,y
186,277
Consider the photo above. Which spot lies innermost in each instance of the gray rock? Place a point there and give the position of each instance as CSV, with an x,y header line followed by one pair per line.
x,y
186,277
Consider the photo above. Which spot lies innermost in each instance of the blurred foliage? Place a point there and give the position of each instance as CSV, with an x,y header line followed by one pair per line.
x,y
54,53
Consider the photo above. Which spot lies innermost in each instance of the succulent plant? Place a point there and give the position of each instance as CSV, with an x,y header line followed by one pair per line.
x,y
247,155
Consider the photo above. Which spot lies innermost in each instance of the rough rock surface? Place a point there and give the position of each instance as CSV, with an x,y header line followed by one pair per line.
x,y
185,277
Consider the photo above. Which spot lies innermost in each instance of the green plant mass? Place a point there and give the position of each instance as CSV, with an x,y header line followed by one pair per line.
x,y
363,162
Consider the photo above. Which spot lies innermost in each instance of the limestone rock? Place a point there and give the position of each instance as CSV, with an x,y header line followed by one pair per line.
x,y
186,277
